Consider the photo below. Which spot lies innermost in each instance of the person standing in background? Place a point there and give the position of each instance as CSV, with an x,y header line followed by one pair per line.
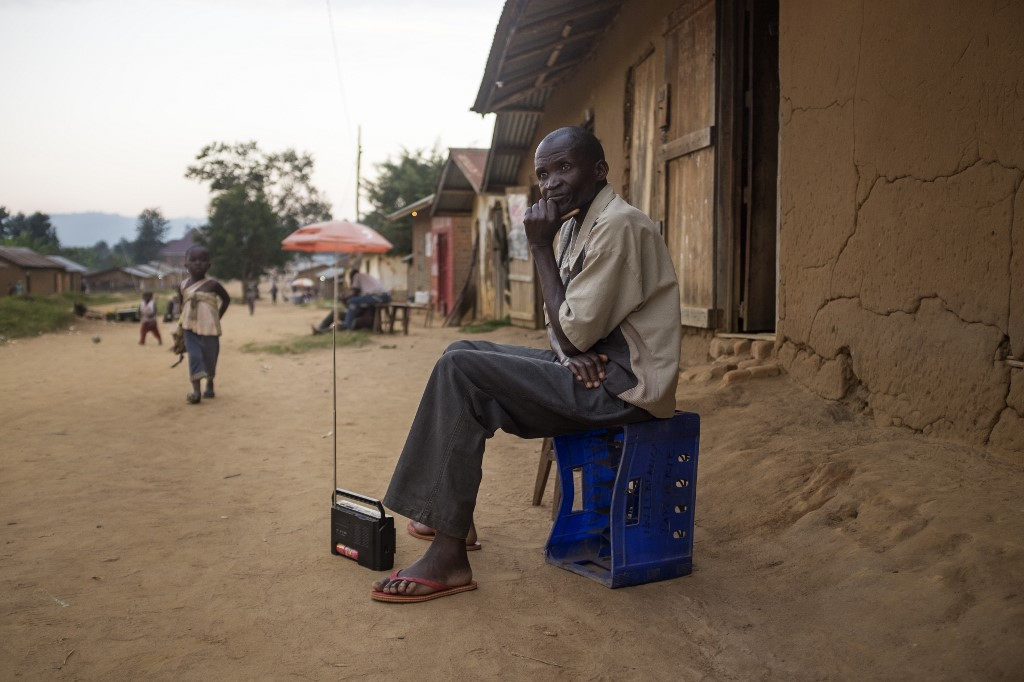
x,y
147,311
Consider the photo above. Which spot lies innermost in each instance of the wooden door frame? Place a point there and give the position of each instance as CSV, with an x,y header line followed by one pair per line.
x,y
729,181
728,168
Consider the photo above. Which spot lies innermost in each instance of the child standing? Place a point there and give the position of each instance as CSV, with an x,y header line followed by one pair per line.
x,y
250,293
147,311
203,302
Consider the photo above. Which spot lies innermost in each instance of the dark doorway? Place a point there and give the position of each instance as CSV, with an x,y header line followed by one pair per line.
x,y
756,257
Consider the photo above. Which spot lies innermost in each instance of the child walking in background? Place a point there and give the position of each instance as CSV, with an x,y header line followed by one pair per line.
x,y
250,293
203,302
147,311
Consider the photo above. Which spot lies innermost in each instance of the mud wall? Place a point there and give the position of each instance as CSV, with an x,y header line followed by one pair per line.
x,y
600,85
901,250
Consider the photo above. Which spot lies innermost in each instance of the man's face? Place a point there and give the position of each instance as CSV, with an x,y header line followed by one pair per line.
x,y
566,175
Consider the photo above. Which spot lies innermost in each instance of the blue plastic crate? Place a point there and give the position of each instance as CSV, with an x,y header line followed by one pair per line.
x,y
633,517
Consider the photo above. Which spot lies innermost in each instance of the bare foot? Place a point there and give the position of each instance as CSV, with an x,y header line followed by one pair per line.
x,y
445,562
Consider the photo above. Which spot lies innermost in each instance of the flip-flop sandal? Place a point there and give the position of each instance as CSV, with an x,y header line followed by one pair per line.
x,y
193,399
429,537
440,590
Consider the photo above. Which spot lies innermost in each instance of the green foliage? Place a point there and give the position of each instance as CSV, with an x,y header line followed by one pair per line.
x,y
22,316
95,257
301,344
486,326
399,183
121,254
28,315
284,179
119,299
149,234
243,234
33,232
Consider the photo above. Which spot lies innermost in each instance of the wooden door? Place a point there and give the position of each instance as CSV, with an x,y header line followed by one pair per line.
x,y
442,258
688,155
499,258
642,130
524,292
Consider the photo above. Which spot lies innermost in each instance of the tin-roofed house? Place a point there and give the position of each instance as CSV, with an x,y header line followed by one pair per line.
x,y
173,252
843,179
444,251
71,278
452,282
36,274
419,260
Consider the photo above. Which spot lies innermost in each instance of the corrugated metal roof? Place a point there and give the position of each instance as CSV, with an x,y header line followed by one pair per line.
x,y
178,247
69,265
137,272
461,179
537,44
329,273
150,270
417,205
27,258
471,162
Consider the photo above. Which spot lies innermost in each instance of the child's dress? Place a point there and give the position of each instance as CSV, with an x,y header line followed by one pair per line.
x,y
200,318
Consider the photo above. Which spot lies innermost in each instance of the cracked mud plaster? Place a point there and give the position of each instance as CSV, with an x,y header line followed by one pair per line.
x,y
927,370
901,259
1008,432
946,237
921,318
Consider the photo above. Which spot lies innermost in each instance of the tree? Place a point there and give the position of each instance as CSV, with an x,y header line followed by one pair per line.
x,y
95,257
34,232
104,256
398,184
121,253
284,179
149,234
243,235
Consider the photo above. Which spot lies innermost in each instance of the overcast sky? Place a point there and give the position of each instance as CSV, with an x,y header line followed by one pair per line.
x,y
106,102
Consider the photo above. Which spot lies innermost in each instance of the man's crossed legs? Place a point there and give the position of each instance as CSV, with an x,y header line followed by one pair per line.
x,y
476,388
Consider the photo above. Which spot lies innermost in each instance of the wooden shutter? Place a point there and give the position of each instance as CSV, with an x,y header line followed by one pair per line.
x,y
524,293
688,155
642,131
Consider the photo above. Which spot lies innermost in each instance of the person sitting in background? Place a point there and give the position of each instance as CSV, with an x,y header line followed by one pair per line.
x,y
366,291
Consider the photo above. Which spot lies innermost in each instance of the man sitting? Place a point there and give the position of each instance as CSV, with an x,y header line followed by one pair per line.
x,y
366,291
612,304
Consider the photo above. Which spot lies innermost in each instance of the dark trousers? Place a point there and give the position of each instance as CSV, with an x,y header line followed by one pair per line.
x,y
149,327
476,388
202,355
356,305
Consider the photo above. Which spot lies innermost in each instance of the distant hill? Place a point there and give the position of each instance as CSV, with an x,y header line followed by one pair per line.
x,y
85,229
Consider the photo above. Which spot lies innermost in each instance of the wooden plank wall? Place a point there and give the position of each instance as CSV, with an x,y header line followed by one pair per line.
x,y
689,157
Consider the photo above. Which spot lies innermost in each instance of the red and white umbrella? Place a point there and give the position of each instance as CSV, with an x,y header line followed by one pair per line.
x,y
336,236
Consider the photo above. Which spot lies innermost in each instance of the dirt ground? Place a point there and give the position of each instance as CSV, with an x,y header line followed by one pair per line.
x,y
147,538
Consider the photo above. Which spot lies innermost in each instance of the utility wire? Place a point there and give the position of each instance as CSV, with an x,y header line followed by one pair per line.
x,y
337,71
344,102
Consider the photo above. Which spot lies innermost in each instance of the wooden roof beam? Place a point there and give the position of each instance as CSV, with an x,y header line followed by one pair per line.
x,y
548,46
568,16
